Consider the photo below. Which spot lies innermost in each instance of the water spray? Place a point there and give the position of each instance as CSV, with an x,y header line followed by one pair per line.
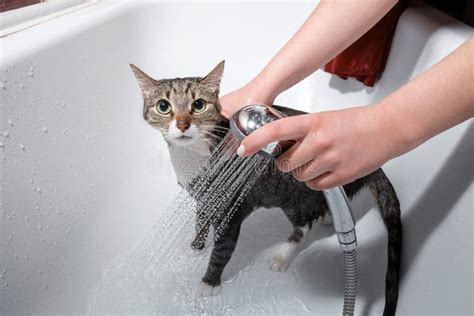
x,y
254,116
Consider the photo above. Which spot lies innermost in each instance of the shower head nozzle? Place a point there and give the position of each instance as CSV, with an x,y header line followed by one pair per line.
x,y
253,116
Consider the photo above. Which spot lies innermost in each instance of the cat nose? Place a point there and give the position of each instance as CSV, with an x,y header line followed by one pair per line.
x,y
183,121
183,125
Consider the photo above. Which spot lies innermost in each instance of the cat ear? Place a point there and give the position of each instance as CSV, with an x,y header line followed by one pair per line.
x,y
213,80
144,81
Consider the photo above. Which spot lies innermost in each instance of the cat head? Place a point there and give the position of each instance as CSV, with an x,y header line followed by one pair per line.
x,y
185,110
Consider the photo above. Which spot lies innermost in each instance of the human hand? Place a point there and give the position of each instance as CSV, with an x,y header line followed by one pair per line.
x,y
332,148
248,94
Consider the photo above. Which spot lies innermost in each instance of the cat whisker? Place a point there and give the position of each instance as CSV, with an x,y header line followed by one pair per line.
x,y
210,141
206,133
215,127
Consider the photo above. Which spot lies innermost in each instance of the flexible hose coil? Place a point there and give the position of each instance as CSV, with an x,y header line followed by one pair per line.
x,y
350,282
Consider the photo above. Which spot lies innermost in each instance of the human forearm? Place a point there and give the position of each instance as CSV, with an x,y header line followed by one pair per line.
x,y
331,27
337,147
438,99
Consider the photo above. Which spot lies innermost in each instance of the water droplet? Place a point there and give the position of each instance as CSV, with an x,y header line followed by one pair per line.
x,y
2,85
10,122
6,134
22,86
2,145
45,129
22,147
40,227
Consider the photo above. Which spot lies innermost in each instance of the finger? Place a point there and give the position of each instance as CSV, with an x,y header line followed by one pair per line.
x,y
311,170
290,128
283,161
297,156
226,112
325,181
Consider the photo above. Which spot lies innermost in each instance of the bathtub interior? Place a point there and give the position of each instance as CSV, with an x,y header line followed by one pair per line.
x,y
83,178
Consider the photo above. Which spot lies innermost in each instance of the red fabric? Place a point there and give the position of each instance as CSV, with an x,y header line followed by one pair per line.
x,y
6,5
365,59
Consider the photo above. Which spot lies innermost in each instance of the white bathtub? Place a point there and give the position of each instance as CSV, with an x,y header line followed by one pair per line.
x,y
83,178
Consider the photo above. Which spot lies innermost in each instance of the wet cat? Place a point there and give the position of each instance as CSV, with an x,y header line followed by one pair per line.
x,y
187,112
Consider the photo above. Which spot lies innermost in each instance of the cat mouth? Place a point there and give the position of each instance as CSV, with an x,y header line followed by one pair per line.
x,y
183,139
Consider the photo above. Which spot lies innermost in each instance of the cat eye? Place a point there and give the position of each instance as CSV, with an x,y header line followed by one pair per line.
x,y
199,105
163,107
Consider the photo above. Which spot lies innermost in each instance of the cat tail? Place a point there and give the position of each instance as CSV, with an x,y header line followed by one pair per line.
x,y
389,208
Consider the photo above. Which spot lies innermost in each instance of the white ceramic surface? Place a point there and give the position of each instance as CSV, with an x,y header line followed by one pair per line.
x,y
82,177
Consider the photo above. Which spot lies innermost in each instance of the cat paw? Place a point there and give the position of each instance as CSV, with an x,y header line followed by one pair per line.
x,y
281,258
191,252
196,248
198,244
206,290
326,219
278,264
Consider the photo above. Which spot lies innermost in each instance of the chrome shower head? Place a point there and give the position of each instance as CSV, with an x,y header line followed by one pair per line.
x,y
254,116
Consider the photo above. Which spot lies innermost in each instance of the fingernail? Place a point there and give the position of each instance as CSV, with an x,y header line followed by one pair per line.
x,y
241,150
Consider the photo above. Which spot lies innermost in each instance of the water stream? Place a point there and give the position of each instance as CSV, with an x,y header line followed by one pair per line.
x,y
162,274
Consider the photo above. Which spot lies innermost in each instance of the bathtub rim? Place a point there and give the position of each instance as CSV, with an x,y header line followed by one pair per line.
x,y
19,45
23,18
